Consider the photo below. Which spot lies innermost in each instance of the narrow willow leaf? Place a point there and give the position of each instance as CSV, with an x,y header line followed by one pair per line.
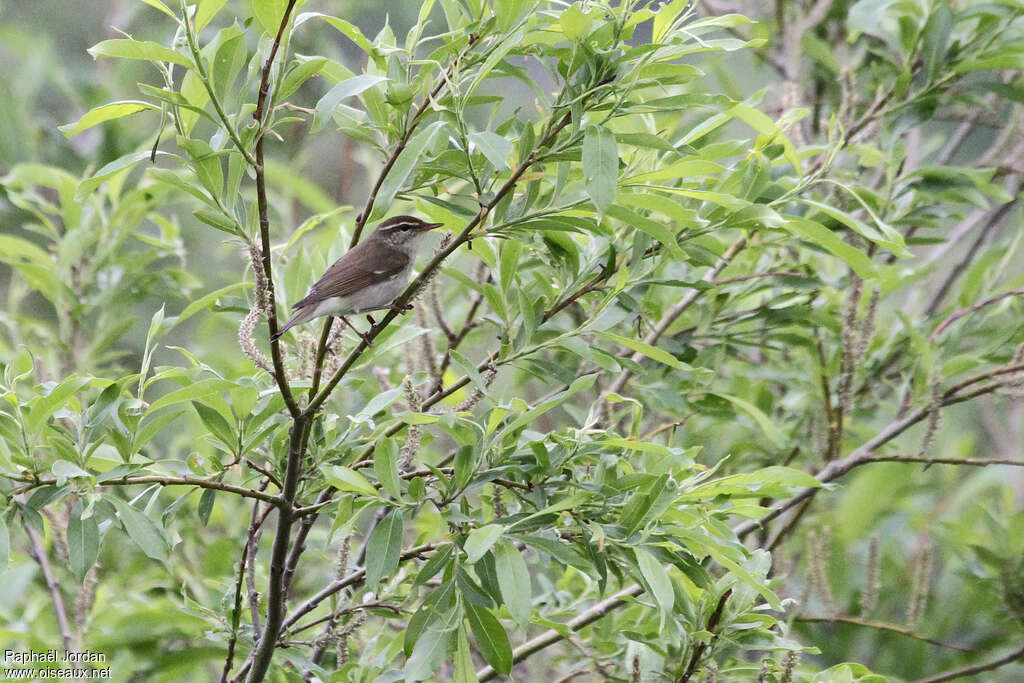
x,y
493,146
333,97
345,479
652,352
480,541
431,648
206,11
217,425
83,543
818,234
114,167
44,407
197,390
141,529
465,669
127,48
657,578
385,466
106,112
600,165
773,433
490,637
514,577
405,163
383,548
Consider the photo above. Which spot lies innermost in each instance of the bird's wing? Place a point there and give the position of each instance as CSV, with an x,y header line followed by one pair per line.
x,y
365,264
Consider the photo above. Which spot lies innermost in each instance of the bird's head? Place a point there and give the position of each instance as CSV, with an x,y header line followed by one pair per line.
x,y
403,232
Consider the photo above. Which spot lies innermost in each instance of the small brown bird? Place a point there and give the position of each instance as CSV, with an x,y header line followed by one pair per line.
x,y
369,276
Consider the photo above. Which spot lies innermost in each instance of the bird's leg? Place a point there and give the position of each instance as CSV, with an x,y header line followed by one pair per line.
x,y
400,309
362,335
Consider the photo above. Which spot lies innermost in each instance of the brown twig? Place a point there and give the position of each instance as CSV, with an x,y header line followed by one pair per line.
x,y
953,317
38,553
882,626
364,215
168,481
677,310
975,669
700,648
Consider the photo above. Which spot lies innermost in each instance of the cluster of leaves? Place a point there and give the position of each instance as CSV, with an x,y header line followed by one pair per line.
x,y
662,331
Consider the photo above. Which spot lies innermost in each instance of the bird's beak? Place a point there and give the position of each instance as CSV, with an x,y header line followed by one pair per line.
x,y
430,226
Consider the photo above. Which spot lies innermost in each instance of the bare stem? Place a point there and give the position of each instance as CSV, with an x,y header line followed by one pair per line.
x,y
52,585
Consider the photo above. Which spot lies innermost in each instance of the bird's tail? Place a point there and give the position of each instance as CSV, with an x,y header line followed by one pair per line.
x,y
302,316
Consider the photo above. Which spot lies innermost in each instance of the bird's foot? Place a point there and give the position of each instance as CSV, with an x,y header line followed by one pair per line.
x,y
362,335
401,309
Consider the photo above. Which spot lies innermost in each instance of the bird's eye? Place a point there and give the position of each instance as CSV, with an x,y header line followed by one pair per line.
x,y
405,227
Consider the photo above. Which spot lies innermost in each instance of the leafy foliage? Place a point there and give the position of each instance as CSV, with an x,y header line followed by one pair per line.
x,y
671,311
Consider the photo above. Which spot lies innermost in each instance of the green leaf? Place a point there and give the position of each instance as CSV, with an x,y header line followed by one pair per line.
x,y
206,301
600,164
653,228
888,237
465,669
580,384
383,549
43,407
575,24
495,147
385,466
83,543
430,650
109,170
935,37
652,352
269,13
818,234
127,48
345,479
191,392
514,577
141,529
206,11
657,578
217,425
333,97
490,637
216,219
106,112
773,433
480,541
348,29
404,165
156,4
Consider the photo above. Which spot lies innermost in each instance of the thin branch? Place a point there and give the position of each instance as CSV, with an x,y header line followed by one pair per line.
x,y
953,317
975,669
701,647
38,553
168,481
865,453
364,215
264,213
353,579
970,462
991,222
677,310
552,636
883,626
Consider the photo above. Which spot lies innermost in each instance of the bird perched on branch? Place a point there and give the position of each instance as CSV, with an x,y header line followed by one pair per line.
x,y
368,277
